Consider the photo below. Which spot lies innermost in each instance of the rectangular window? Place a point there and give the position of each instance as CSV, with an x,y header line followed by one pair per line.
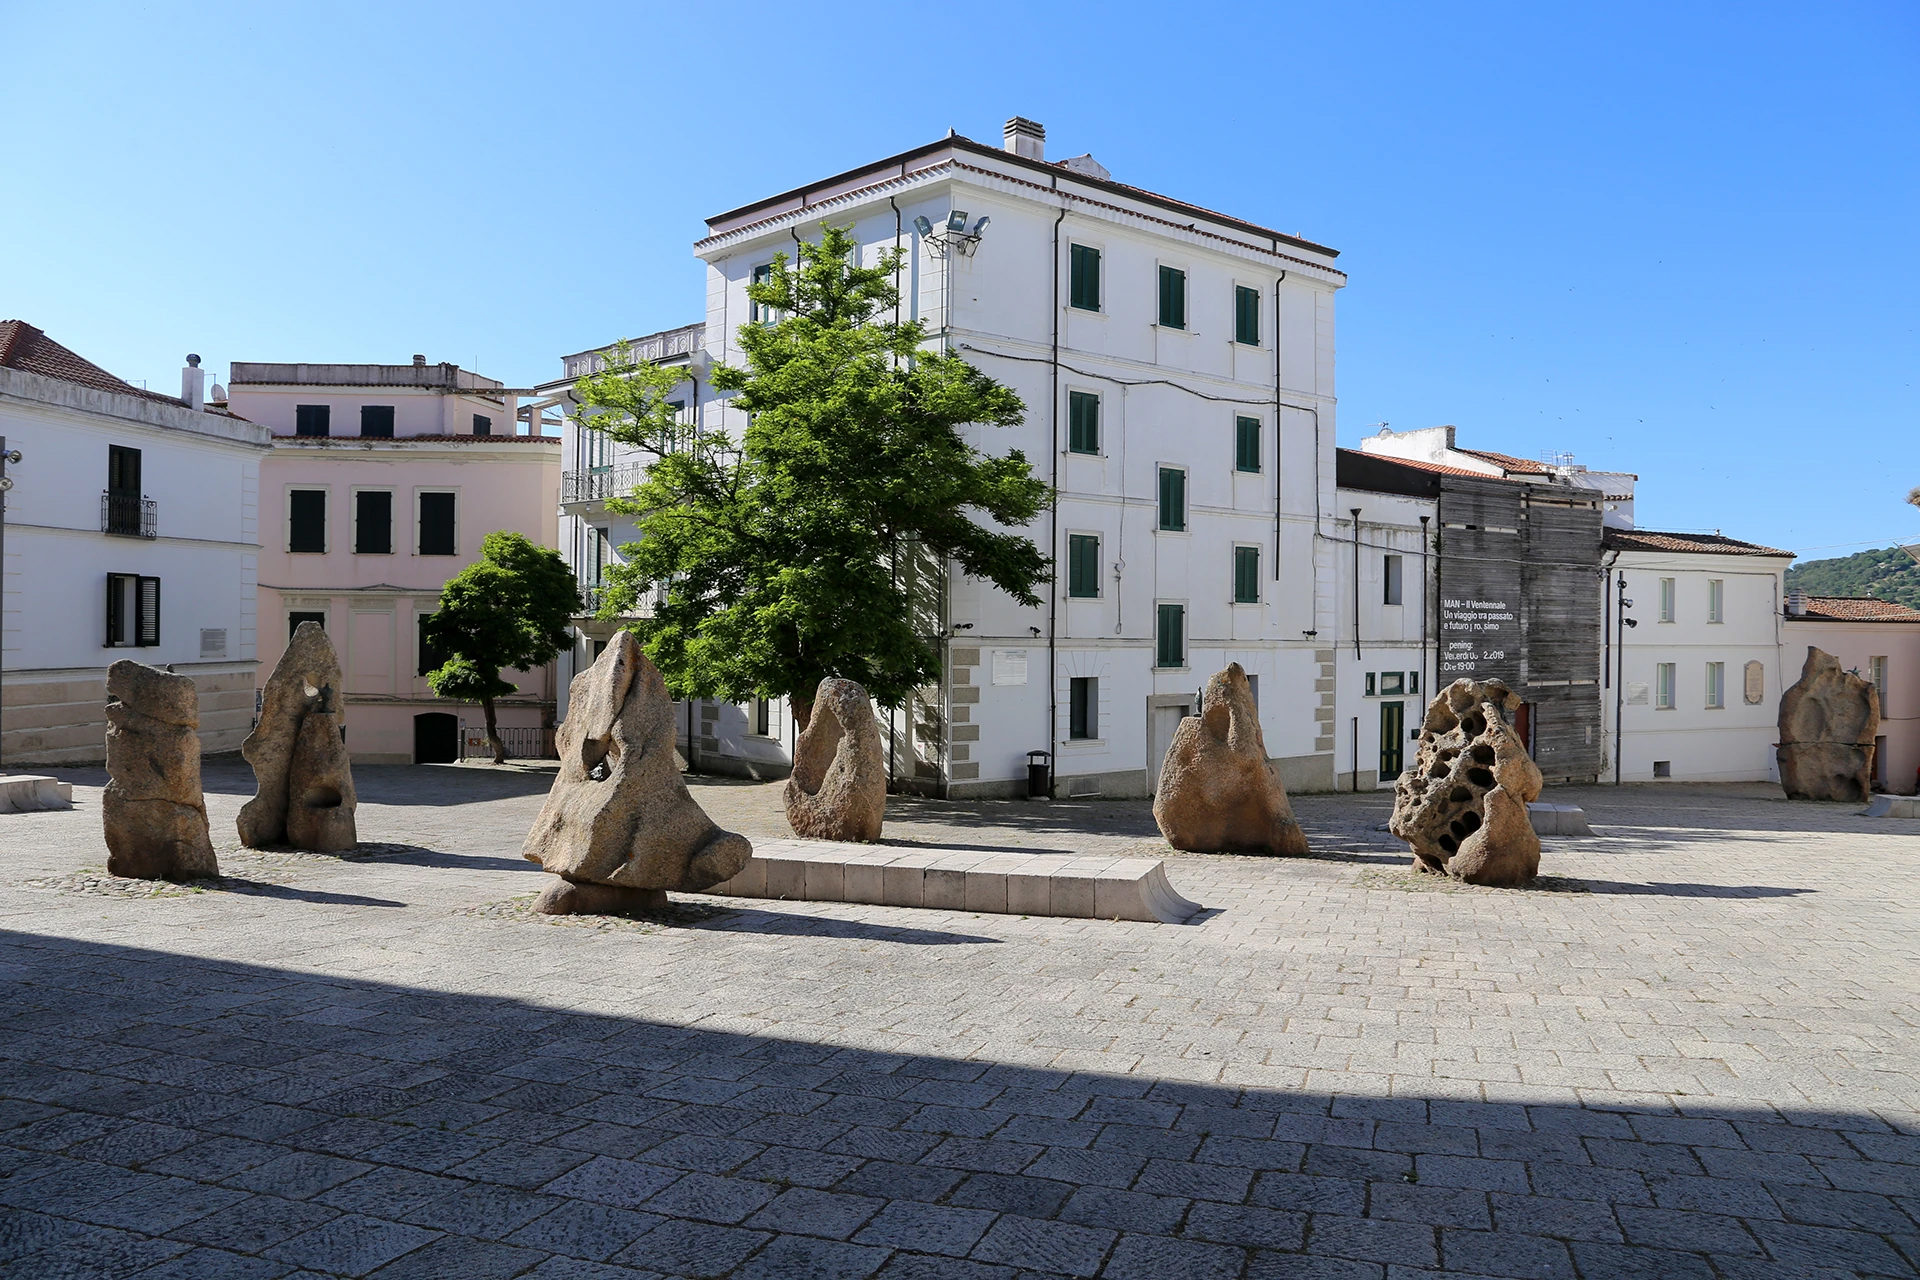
x,y
295,619
1371,690
376,420
482,425
1663,686
436,524
1083,707
1083,566
123,471
1392,575
1246,444
756,313
125,596
1170,637
312,419
307,521
1877,672
1173,499
1246,316
1083,277
1716,600
1173,298
1393,683
373,522
763,717
1716,684
432,657
1246,575
1083,422
1666,599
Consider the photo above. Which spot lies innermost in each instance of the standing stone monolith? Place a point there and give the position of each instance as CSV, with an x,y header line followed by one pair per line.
x,y
619,827
303,778
1827,725
1218,791
1463,804
838,790
155,814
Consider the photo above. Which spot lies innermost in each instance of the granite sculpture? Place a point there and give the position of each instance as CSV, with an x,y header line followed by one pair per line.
x,y
838,790
1463,804
619,827
1218,791
155,814
303,778
1828,721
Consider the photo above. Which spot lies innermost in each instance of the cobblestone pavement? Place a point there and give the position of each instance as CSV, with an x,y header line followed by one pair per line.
x,y
1690,1052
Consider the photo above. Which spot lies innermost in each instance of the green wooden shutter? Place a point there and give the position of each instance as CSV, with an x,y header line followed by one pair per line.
x,y
1083,277
147,615
1083,566
1246,316
1173,298
1246,444
1083,422
1171,651
1246,575
1173,499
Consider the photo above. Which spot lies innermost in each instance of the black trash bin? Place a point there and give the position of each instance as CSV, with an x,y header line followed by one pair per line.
x,y
1039,775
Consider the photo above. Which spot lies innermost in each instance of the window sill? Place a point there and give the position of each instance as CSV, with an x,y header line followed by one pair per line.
x,y
1184,532
1088,599
1181,330
1085,742
1245,604
1085,311
1245,471
1083,453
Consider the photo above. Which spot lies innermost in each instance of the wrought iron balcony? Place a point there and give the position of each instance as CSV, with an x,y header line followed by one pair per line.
x,y
127,515
601,483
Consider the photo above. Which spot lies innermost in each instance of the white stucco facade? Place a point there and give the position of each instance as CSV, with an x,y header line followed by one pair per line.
x,y
1879,641
78,561
1168,397
1382,662
1673,720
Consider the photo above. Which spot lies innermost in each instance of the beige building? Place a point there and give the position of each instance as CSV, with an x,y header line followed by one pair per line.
x,y
382,482
1879,640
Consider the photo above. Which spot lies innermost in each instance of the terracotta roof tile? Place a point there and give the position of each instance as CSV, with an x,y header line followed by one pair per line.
x,y
1695,543
1439,468
1510,462
1857,609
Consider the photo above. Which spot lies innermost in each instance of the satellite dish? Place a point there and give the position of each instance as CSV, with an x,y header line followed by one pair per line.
x,y
219,392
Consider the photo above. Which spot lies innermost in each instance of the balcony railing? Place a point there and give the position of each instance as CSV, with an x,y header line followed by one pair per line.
x,y
521,744
127,516
601,483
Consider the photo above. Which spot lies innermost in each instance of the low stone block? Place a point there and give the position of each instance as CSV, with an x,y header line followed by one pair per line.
x,y
905,886
946,889
825,882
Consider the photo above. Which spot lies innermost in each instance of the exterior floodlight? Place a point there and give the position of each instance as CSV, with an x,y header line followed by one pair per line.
x,y
957,220
981,225
921,225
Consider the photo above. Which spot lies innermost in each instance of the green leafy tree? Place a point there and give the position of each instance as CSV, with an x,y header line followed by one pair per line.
x,y
782,557
507,610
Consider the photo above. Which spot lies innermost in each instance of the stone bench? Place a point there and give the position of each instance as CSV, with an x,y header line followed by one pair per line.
x,y
27,792
1558,819
1884,806
1025,884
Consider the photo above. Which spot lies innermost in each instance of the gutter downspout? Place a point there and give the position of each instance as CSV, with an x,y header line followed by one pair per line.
x,y
1426,604
1277,406
1356,582
1053,591
893,713
1619,685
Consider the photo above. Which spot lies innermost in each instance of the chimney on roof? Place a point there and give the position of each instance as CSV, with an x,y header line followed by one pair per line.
x,y
419,362
193,384
1796,603
1027,138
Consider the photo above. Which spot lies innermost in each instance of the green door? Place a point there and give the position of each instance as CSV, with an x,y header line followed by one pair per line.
x,y
1393,736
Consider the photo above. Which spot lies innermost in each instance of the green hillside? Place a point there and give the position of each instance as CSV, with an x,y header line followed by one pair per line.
x,y
1888,573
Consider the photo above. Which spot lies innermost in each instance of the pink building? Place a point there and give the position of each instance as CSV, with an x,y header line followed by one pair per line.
x,y
1879,640
382,481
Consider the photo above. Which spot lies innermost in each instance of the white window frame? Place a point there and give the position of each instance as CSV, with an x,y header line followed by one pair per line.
x,y
1716,686
1716,600
1233,586
1186,633
286,518
1669,593
459,509
1665,685
1099,415
1389,561
1100,248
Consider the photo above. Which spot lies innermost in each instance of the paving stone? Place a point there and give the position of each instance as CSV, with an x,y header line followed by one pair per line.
x,y
1246,1225
1156,1257
216,1264
352,1243
1436,1206
706,1198
453,1258
1805,1246
254,1224
1027,1197
1547,1216
1504,1253
803,1258
298,1175
488,1212
1632,1262
1372,1239
816,1213
519,1164
884,1179
926,1228
1300,1266
696,1249
626,1184
1305,1193
1045,1246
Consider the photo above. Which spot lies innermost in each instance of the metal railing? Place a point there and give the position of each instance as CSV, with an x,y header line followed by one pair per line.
x,y
126,516
521,744
600,484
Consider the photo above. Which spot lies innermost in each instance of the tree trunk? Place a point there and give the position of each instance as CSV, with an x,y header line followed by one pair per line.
x,y
493,734
802,709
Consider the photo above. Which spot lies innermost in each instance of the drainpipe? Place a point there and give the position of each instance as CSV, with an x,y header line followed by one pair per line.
x,y
1277,407
1619,681
1053,592
1356,582
1354,742
1426,603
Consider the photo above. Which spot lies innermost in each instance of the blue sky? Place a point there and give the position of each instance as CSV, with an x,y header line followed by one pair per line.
x,y
1679,240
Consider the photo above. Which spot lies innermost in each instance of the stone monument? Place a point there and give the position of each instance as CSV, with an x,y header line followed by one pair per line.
x,y
838,790
1827,725
619,828
1218,792
303,780
155,815
1463,804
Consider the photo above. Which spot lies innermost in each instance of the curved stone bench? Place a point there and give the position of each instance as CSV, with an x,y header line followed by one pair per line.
x,y
28,792
1023,884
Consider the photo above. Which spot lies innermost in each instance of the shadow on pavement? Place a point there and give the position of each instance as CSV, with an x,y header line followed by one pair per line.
x,y
759,920
204,1116
268,889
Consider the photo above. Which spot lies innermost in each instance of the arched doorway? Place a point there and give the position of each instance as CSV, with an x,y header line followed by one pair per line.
x,y
436,738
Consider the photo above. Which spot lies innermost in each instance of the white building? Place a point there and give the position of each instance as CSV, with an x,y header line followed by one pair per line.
x,y
382,482
1694,684
1178,370
1437,445
130,532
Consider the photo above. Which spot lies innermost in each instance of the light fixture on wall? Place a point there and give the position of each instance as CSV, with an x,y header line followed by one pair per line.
x,y
954,235
924,227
